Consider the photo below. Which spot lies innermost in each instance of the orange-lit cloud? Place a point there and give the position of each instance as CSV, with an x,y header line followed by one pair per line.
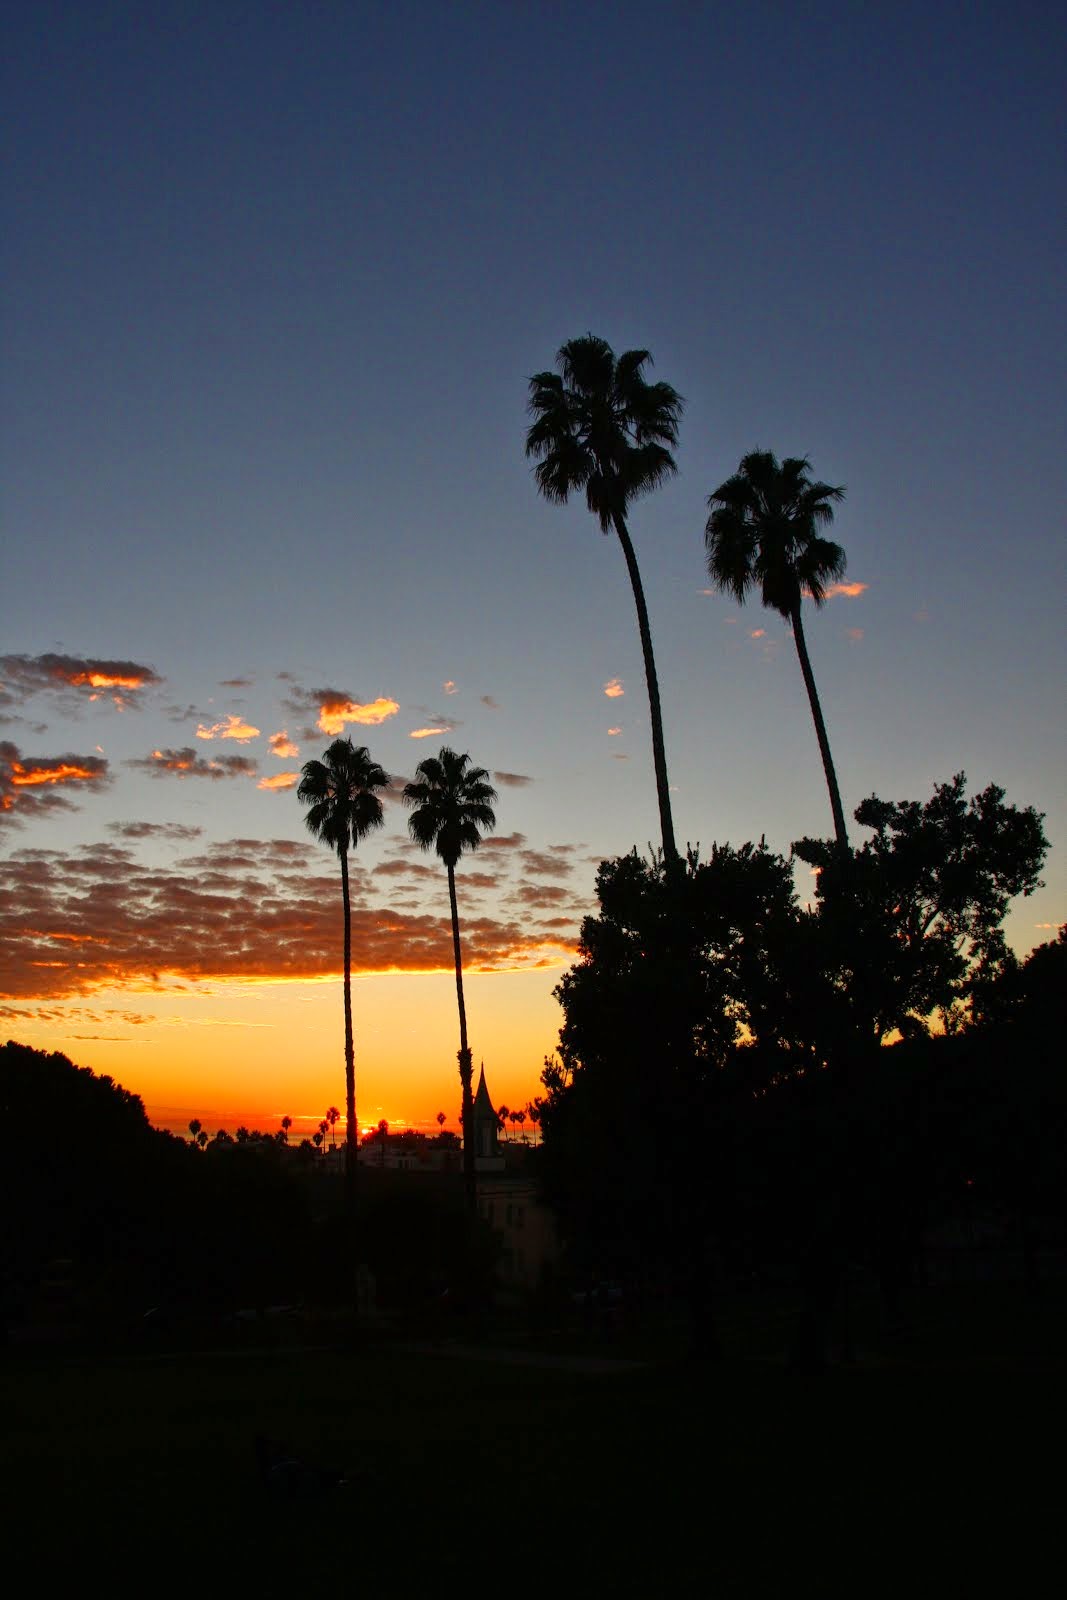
x,y
612,732
855,634
230,727
757,633
334,715
188,763
334,709
147,927
851,590
27,784
614,689
279,780
436,729
449,687
282,746
511,780
22,676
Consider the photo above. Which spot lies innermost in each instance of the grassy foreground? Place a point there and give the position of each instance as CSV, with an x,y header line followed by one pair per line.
x,y
910,1477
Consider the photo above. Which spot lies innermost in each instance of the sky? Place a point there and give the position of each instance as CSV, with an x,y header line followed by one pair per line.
x,y
274,280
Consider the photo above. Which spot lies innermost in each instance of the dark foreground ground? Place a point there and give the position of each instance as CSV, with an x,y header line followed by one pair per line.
x,y
931,1466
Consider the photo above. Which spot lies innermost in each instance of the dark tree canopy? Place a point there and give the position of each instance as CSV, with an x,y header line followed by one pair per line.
x,y
918,922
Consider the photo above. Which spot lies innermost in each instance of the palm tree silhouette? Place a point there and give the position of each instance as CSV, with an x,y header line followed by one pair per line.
x,y
453,807
600,427
343,808
333,1116
763,531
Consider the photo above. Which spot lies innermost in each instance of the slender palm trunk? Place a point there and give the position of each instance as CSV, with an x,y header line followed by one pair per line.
x,y
659,757
820,731
465,1064
351,1130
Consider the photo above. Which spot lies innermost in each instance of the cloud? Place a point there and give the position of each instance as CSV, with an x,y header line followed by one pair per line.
x,y
512,780
182,831
435,728
449,687
852,590
487,700
188,763
22,676
757,633
236,683
95,918
614,689
230,728
613,733
279,780
504,841
336,709
28,784
620,757
282,746
543,864
855,634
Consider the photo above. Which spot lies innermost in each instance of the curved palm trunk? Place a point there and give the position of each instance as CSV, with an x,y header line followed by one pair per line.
x,y
659,757
465,1064
351,1130
820,731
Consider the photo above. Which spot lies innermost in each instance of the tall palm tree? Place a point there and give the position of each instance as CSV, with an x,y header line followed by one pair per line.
x,y
600,427
453,807
343,807
763,532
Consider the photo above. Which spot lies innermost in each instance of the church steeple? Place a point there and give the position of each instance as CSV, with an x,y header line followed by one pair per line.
x,y
485,1122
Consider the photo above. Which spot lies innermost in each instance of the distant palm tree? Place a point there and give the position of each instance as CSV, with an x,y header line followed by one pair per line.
x,y
343,808
600,427
763,532
201,1139
287,1123
453,807
441,1120
502,1117
333,1116
194,1130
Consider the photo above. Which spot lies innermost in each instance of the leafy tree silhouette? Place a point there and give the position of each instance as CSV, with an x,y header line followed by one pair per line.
x,y
599,426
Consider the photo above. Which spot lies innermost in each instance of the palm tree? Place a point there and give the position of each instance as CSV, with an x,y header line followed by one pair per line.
x,y
287,1123
763,531
453,807
600,427
343,807
333,1116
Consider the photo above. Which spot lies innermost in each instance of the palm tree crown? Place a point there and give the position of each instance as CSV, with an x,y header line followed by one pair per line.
x,y
453,805
339,792
763,532
599,426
